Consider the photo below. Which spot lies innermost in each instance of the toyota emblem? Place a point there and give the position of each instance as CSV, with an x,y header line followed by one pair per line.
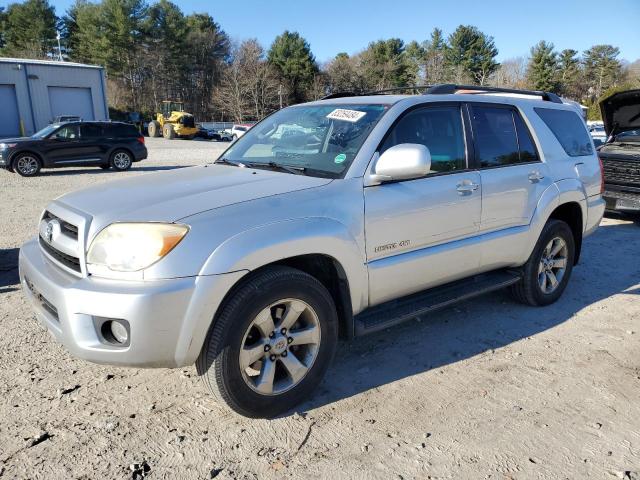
x,y
48,233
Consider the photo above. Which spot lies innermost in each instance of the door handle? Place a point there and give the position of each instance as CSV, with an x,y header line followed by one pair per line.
x,y
466,187
535,176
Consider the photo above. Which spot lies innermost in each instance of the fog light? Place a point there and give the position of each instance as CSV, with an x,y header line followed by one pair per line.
x,y
119,332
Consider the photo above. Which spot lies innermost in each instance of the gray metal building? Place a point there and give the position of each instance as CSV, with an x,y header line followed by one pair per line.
x,y
34,92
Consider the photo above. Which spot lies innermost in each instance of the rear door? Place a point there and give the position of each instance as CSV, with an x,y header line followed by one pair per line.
x,y
512,174
92,143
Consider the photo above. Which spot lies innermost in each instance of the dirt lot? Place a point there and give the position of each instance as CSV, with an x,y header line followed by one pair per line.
x,y
488,389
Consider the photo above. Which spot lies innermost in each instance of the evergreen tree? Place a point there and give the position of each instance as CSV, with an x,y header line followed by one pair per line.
x,y
414,56
570,74
602,69
543,67
384,65
471,55
29,29
3,27
291,56
434,58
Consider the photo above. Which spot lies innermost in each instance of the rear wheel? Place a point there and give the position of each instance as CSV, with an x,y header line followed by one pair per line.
x,y
547,272
153,129
271,344
168,132
121,160
27,164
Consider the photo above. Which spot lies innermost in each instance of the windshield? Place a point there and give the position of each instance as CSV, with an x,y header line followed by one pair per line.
x,y
45,131
320,140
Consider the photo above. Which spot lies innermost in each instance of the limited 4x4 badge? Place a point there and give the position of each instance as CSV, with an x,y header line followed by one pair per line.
x,y
392,246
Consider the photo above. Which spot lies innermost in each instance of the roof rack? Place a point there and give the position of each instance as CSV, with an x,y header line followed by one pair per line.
x,y
450,88
340,95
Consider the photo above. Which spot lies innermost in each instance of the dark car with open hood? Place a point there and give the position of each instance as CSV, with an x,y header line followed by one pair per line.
x,y
620,155
104,144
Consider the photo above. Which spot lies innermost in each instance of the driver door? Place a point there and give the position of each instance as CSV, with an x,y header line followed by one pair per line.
x,y
419,232
63,145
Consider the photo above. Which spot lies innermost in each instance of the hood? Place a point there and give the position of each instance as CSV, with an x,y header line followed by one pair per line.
x,y
15,140
621,112
171,195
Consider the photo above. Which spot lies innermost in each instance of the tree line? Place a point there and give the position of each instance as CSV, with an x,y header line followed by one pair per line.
x,y
154,52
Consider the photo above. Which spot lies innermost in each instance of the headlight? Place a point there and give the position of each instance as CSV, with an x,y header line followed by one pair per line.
x,y
129,247
4,146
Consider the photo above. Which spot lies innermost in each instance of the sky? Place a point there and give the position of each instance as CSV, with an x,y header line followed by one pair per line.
x,y
333,26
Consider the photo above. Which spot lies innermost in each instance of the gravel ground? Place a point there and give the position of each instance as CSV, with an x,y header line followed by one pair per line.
x,y
487,389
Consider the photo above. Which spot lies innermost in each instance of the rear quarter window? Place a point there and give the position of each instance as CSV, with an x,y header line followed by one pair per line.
x,y
569,129
123,130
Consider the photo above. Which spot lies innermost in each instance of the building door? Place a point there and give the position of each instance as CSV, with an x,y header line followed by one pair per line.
x,y
9,115
71,101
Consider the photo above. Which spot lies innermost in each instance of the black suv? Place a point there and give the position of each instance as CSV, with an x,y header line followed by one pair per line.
x,y
620,155
102,144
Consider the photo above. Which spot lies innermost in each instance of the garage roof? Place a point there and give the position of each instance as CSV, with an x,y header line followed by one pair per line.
x,y
55,63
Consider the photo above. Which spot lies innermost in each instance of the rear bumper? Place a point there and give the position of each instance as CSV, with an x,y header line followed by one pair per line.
x,y
595,212
140,153
168,319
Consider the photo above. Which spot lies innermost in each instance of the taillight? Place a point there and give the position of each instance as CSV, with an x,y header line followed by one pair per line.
x,y
141,140
601,175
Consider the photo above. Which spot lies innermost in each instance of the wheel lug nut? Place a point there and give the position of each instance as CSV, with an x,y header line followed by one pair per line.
x,y
283,331
272,334
272,358
267,348
290,339
284,354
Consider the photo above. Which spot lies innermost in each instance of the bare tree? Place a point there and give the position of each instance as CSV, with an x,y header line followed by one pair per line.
x,y
512,73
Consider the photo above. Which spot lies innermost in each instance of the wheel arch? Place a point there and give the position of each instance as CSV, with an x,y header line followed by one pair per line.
x,y
29,151
116,149
571,213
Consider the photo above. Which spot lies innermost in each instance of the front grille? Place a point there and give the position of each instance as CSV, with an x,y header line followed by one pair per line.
x,y
46,304
619,171
67,228
68,261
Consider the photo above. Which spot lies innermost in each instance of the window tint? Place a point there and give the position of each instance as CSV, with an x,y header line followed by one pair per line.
x,y
91,130
68,132
495,136
122,130
528,152
439,129
569,129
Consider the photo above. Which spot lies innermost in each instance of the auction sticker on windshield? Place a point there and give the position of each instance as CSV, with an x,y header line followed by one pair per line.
x,y
346,115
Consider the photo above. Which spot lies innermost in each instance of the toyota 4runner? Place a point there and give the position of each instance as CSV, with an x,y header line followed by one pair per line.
x,y
379,208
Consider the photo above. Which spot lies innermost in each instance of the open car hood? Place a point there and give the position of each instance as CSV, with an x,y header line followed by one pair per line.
x,y
621,112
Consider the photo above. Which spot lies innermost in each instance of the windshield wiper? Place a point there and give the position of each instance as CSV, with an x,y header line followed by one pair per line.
x,y
279,166
224,161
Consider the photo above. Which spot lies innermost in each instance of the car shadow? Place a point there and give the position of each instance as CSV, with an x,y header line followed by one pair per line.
x,y
609,266
99,171
9,270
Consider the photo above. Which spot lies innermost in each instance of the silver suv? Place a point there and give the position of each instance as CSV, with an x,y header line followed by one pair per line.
x,y
333,218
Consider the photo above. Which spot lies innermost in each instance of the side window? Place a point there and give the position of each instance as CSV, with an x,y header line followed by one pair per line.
x,y
528,152
495,136
439,129
69,132
569,129
90,130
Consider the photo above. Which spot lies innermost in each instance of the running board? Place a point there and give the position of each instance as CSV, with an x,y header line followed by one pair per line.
x,y
406,308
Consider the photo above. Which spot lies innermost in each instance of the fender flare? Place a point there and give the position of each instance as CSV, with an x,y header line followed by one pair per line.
x,y
270,243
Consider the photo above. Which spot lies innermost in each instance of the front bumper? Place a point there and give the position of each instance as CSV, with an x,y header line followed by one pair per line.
x,y
622,200
168,319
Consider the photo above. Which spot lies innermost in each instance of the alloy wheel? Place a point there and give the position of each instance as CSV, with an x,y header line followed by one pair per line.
x,y
280,346
553,265
27,165
122,160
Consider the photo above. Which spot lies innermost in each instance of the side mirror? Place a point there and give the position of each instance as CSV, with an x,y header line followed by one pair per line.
x,y
405,161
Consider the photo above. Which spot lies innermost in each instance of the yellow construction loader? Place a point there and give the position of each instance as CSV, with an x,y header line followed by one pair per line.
x,y
173,122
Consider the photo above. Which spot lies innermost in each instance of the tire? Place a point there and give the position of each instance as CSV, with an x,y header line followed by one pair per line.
x,y
26,164
531,289
265,295
153,129
121,160
168,132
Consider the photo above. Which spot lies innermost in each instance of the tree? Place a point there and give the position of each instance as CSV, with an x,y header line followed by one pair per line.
x,y
570,74
543,67
384,65
291,56
602,69
29,29
471,55
3,27
511,74
414,56
342,74
434,58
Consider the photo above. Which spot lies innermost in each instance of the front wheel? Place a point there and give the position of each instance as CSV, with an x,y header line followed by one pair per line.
x,y
271,344
547,272
27,164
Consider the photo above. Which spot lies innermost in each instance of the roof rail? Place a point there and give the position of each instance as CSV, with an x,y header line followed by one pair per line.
x,y
375,92
340,95
450,88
